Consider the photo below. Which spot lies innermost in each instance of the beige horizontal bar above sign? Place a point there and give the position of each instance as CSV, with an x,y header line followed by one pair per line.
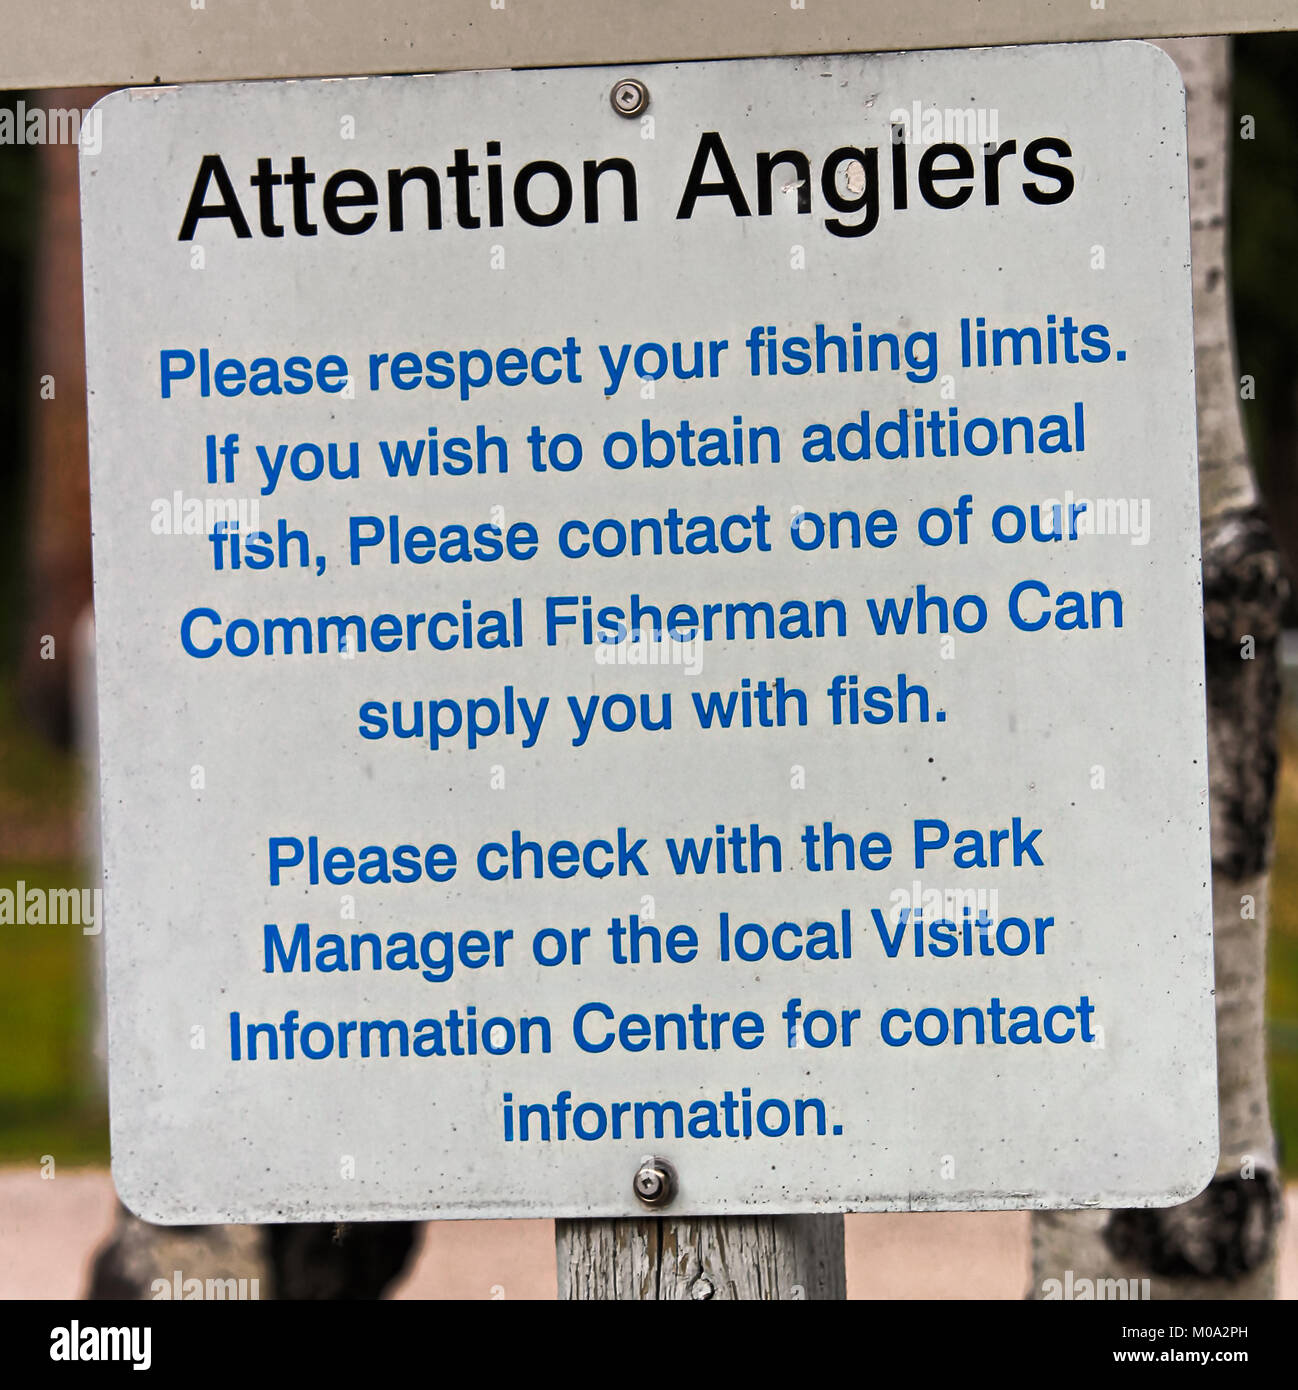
x,y
65,43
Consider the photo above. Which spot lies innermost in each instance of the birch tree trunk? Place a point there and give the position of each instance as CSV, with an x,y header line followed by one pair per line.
x,y
1222,1243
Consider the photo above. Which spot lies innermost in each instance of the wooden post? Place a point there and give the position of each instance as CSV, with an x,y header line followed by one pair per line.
x,y
702,1257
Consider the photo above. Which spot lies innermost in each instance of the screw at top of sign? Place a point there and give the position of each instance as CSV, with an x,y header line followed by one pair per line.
x,y
629,97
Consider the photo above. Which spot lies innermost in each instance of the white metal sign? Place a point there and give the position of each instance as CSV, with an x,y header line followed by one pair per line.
x,y
652,612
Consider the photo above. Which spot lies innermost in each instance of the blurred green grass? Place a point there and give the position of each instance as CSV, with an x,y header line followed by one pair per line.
x,y
48,1100
1282,955
49,1103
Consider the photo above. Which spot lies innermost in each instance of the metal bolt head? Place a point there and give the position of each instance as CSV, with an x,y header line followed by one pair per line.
x,y
649,1185
655,1182
629,97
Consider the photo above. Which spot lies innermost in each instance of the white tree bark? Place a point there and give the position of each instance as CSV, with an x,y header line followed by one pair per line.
x,y
1221,1244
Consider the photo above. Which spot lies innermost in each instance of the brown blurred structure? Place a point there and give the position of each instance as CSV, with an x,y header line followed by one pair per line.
x,y
57,579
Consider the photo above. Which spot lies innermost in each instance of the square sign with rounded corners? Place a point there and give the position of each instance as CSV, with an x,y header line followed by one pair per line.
x,y
652,611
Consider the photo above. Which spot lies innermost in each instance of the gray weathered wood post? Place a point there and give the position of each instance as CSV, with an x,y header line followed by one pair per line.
x,y
727,1257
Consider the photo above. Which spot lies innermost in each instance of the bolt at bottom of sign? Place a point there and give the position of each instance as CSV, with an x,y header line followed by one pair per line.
x,y
655,1181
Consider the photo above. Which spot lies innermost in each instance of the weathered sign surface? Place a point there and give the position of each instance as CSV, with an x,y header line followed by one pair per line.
x,y
664,628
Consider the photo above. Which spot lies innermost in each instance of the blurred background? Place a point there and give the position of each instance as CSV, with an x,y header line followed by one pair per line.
x,y
52,1105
